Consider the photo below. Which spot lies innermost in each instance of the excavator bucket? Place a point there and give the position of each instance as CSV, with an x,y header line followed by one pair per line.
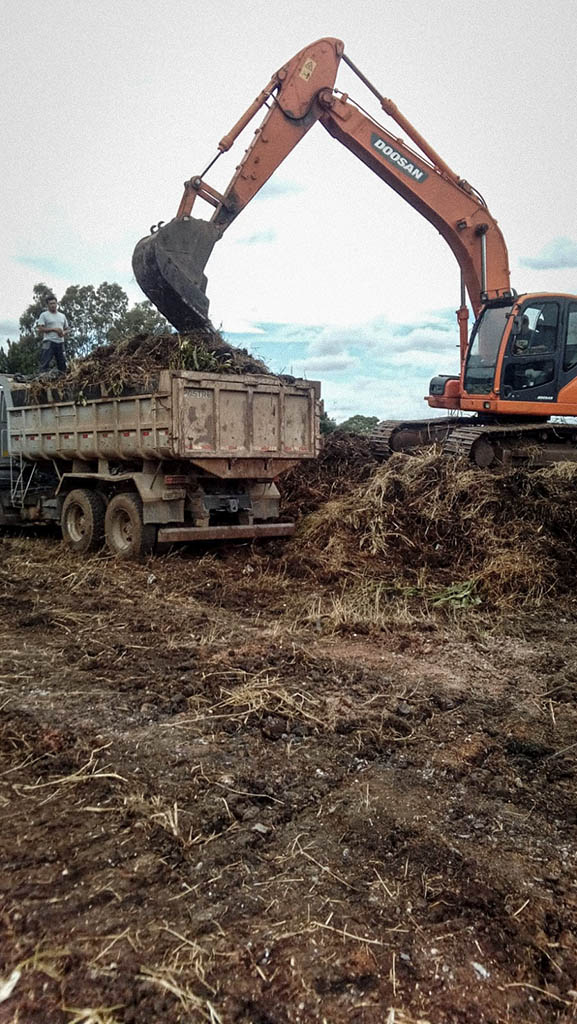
x,y
169,267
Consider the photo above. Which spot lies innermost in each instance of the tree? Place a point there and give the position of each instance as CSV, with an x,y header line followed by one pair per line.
x,y
359,424
143,318
40,294
327,425
22,356
92,313
101,315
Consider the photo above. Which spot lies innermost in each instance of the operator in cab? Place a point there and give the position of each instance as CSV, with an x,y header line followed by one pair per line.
x,y
523,338
52,326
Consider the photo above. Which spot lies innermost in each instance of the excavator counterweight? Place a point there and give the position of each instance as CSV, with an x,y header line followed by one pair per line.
x,y
169,267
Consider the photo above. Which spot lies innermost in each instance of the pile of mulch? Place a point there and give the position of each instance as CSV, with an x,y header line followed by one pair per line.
x,y
344,461
433,521
135,363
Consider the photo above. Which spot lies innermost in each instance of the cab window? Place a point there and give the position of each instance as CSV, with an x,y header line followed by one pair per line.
x,y
529,373
570,353
538,332
484,350
531,361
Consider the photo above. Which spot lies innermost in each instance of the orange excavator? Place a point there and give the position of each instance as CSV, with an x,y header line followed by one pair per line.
x,y
518,369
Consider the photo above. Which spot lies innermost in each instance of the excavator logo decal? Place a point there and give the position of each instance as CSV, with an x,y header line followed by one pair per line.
x,y
394,157
307,69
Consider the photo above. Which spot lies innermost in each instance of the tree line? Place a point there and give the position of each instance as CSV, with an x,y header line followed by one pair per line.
x,y
357,424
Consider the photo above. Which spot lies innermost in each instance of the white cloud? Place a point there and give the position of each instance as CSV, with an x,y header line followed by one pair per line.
x,y
266,237
233,327
370,396
325,364
559,253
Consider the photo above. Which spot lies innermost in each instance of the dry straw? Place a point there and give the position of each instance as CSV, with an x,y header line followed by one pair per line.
x,y
440,525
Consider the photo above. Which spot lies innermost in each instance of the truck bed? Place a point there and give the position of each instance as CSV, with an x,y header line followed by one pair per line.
x,y
210,419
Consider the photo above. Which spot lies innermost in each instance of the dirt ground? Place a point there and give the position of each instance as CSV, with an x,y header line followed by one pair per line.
x,y
219,805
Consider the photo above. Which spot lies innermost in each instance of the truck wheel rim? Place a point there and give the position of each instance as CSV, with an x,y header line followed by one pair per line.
x,y
122,532
76,523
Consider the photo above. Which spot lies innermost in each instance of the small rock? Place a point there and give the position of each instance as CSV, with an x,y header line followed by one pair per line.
x,y
403,708
480,970
274,727
445,703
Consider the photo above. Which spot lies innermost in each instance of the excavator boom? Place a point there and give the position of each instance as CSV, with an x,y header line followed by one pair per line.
x,y
448,203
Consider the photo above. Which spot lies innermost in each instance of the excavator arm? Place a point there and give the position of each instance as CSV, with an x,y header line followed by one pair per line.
x,y
169,264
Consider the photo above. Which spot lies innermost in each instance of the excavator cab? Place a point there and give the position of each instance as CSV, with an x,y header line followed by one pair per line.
x,y
523,356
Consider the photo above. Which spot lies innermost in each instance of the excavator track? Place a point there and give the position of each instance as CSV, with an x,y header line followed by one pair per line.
x,y
534,444
516,444
392,436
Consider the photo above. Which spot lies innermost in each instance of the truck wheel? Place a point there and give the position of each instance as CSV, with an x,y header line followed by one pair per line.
x,y
126,534
82,521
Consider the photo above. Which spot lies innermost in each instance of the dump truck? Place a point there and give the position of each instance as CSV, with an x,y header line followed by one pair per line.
x,y
193,456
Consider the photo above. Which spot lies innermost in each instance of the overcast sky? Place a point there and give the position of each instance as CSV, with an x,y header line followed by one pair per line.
x,y
108,107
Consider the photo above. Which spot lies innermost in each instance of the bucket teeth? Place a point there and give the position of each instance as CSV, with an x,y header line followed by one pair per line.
x,y
169,267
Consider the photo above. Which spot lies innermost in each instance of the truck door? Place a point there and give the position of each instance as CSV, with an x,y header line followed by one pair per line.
x,y
533,358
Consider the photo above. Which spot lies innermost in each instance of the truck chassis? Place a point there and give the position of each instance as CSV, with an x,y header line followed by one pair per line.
x,y
191,457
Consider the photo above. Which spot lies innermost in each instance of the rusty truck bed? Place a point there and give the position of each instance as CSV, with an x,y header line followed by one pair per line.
x,y
229,425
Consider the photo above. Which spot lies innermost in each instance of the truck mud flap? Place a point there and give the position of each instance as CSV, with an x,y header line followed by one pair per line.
x,y
174,534
169,267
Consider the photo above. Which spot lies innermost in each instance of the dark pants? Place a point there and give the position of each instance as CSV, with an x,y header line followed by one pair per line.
x,y
50,350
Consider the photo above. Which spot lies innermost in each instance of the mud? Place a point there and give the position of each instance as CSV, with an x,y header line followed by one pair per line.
x,y
220,805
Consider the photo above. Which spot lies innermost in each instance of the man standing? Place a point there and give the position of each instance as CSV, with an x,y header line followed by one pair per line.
x,y
53,328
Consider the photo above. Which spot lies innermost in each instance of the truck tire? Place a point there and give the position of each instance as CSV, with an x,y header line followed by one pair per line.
x,y
126,534
82,521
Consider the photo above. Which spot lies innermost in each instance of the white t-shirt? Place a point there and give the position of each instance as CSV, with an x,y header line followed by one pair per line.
x,y
53,320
